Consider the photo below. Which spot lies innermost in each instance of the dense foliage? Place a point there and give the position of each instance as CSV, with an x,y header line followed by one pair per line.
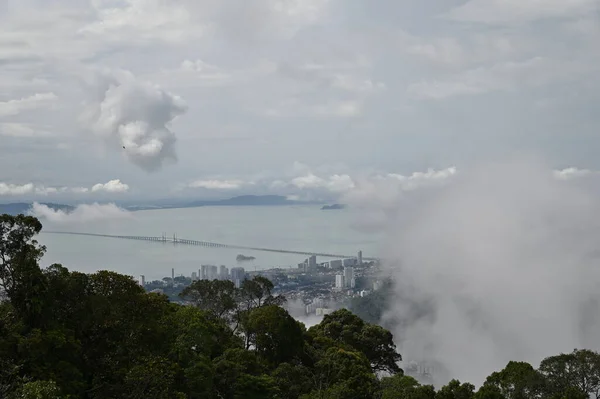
x,y
66,334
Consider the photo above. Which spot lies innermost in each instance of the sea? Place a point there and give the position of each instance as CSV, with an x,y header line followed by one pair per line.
x,y
304,228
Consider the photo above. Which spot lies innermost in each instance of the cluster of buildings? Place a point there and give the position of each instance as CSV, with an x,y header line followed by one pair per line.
x,y
207,272
310,264
317,287
343,279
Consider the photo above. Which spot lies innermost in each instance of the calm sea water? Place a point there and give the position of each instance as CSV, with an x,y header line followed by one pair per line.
x,y
302,228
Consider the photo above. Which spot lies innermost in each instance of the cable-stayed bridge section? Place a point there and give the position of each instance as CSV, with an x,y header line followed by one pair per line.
x,y
207,244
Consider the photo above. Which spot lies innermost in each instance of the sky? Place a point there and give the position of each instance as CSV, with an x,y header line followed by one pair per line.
x,y
145,99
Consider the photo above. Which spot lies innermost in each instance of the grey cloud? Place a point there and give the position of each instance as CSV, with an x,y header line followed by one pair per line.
x,y
318,81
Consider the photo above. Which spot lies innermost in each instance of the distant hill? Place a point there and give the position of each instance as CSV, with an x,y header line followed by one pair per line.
x,y
17,208
243,200
247,200
332,207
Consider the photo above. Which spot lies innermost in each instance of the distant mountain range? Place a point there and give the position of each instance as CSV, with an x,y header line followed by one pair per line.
x,y
333,207
244,200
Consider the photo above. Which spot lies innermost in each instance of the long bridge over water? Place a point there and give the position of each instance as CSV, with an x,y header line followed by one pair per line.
x,y
207,244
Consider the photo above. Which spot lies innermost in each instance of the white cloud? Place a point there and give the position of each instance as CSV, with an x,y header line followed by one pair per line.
x,y
81,213
31,189
499,266
137,115
143,21
113,186
217,184
511,12
14,189
572,173
382,192
420,179
334,183
15,107
8,189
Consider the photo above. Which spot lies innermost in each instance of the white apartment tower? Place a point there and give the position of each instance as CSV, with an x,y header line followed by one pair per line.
x,y
339,281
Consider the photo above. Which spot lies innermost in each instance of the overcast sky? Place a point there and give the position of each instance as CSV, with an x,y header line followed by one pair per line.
x,y
124,99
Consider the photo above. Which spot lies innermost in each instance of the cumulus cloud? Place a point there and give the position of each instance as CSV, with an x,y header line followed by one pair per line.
x,y
334,183
81,213
382,192
217,184
113,186
15,107
9,189
572,173
499,265
137,116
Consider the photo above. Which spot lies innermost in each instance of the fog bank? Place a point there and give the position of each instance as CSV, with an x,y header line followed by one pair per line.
x,y
502,264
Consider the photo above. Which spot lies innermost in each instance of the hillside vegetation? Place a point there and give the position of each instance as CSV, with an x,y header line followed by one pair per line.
x,y
65,334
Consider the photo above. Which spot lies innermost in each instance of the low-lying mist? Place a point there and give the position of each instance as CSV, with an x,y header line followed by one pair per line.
x,y
502,264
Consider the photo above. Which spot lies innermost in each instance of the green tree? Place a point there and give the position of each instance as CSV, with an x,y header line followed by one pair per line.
x,y
21,278
40,390
293,380
344,374
153,377
405,387
455,390
239,372
276,336
578,371
257,292
518,380
375,342
197,333
489,392
217,297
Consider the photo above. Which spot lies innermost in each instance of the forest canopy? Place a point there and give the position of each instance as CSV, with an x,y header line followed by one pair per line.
x,y
66,334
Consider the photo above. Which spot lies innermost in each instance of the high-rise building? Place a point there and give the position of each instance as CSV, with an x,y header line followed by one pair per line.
x,y
173,274
339,281
312,262
349,262
194,276
335,264
208,272
349,277
223,273
213,273
360,260
238,275
143,280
